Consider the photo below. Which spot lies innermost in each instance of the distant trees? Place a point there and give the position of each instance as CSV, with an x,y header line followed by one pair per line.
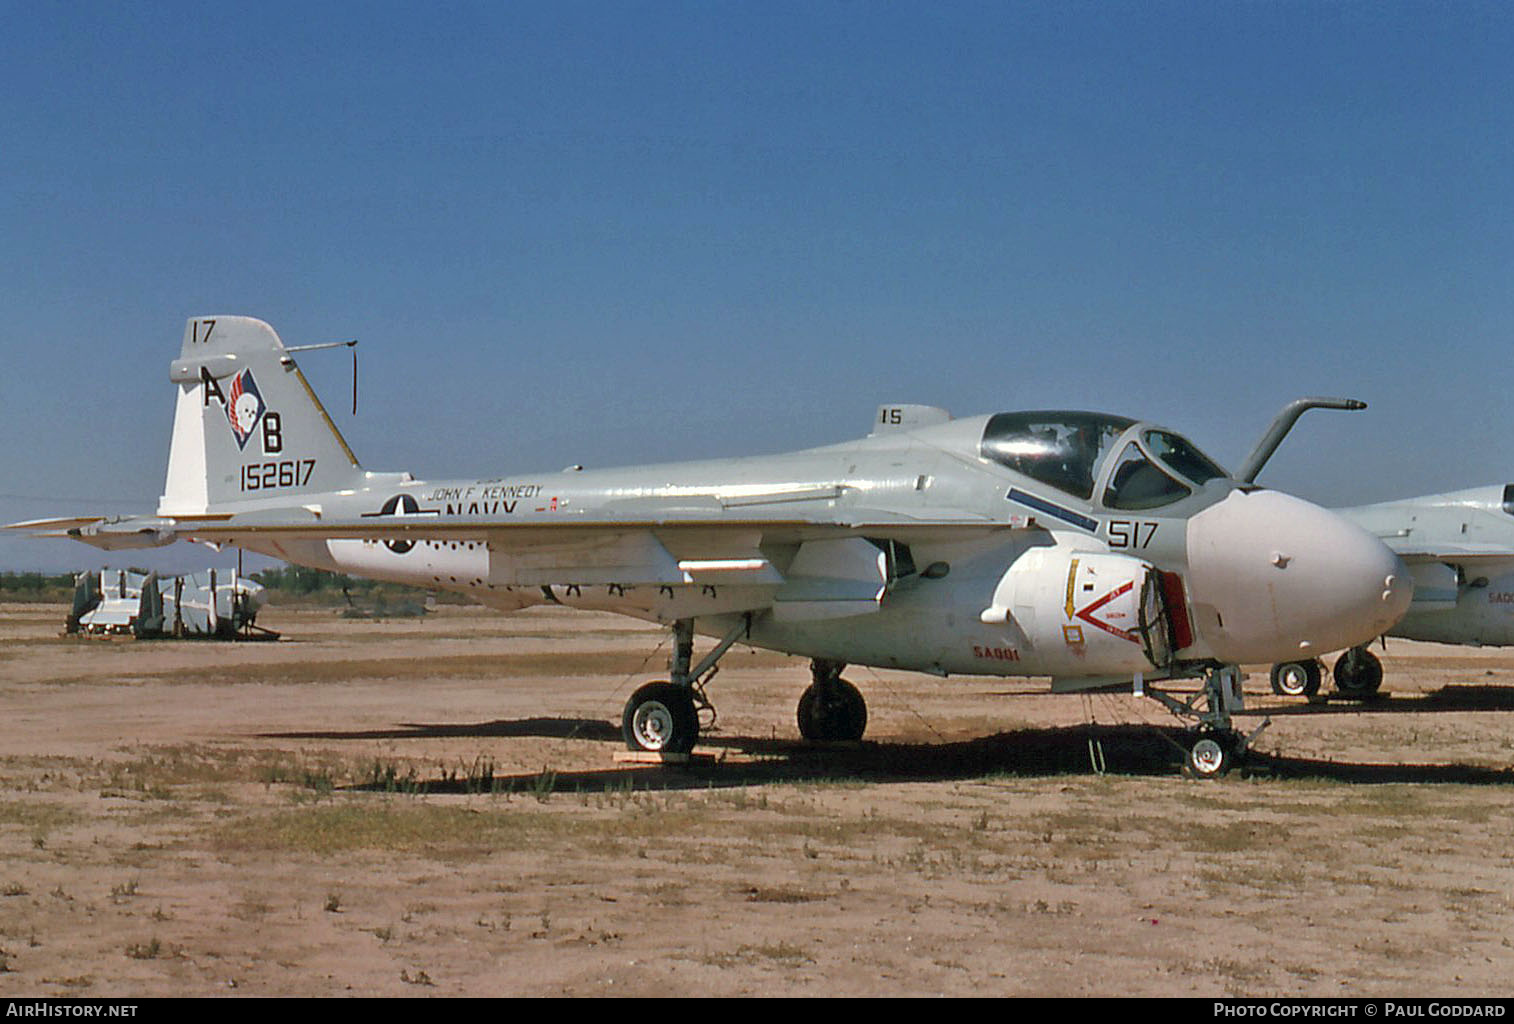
x,y
296,579
36,586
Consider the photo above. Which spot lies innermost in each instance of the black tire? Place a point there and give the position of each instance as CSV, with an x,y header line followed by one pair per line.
x,y
661,718
1297,678
1212,755
832,711
1358,674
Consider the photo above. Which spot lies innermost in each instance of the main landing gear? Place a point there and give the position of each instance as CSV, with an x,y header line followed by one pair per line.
x,y
661,717
664,716
831,709
1358,675
1214,747
1297,678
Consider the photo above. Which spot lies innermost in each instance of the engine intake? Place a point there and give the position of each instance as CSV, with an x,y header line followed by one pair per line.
x,y
1086,613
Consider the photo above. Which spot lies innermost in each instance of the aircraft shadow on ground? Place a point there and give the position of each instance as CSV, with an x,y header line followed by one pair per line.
x,y
1456,697
1129,750
540,728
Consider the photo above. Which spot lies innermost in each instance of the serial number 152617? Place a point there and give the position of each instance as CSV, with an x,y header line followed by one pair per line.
x,y
265,476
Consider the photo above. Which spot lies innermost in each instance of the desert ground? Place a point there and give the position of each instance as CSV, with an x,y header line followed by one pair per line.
x,y
433,807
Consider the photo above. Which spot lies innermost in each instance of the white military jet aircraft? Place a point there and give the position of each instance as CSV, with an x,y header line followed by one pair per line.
x,y
1091,548
1459,548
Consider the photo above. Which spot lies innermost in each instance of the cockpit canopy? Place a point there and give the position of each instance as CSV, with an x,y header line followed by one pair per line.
x,y
1068,451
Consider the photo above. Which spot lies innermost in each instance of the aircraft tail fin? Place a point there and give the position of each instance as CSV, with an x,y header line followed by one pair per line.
x,y
247,426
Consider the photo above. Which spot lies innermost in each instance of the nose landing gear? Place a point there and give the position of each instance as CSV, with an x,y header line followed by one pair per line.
x,y
1215,747
1211,756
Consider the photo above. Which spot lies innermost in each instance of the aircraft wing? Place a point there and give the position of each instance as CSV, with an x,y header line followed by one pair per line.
x,y
685,545
1458,553
1425,550
826,560
309,522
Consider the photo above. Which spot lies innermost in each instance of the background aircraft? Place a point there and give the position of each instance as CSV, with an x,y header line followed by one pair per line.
x,y
1091,548
1459,548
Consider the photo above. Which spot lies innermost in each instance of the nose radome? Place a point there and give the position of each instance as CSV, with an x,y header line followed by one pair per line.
x,y
1275,578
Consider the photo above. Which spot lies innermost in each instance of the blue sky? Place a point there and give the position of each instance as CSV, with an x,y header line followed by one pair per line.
x,y
612,233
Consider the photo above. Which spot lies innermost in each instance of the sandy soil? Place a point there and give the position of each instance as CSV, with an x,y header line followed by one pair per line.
x,y
433,807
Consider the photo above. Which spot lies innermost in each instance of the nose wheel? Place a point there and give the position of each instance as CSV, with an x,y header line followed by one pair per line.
x,y
1213,754
1215,748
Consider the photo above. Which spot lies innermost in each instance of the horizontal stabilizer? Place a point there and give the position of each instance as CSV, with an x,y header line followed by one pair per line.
x,y
54,527
118,533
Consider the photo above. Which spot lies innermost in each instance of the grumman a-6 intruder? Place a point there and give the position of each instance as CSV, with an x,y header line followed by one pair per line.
x,y
1094,549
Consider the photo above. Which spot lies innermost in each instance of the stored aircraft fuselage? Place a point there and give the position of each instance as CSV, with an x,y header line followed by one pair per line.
x,y
1089,547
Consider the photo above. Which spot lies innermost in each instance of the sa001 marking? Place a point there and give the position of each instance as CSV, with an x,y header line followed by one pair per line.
x,y
1130,533
268,476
